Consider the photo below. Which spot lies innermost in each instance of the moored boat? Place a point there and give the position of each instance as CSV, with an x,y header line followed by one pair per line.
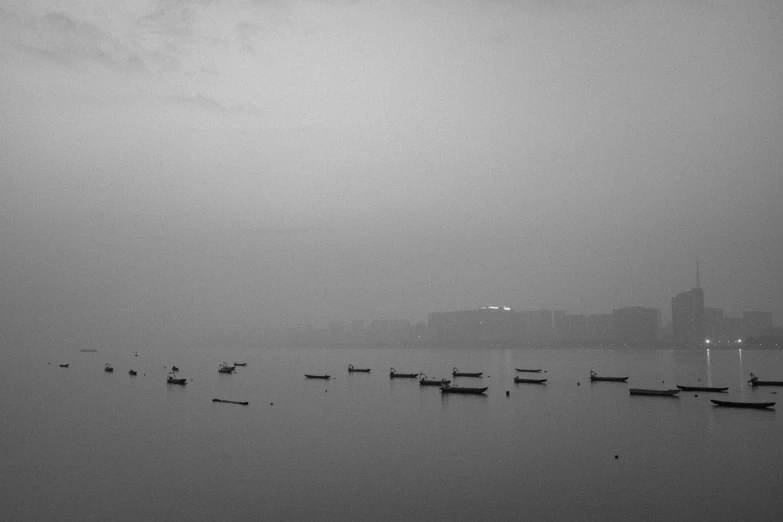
x,y
424,381
174,369
314,376
526,370
460,389
132,372
171,378
595,377
240,364
108,368
243,403
394,375
754,381
734,404
351,369
65,365
226,368
456,373
658,393
703,389
518,380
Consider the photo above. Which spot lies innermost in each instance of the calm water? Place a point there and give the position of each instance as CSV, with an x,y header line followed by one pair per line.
x,y
82,444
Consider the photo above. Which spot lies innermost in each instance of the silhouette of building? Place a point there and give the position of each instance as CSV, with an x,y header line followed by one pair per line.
x,y
636,323
713,323
575,327
558,325
756,323
688,314
537,325
600,326
488,324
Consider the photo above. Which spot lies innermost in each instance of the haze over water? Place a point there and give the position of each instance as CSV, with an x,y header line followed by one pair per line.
x,y
82,444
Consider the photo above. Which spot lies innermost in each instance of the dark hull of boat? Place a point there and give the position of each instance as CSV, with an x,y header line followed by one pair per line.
x,y
517,380
240,364
766,383
243,403
222,370
466,391
65,365
132,373
655,393
529,371
110,370
324,377
403,375
177,381
432,382
752,405
703,389
463,374
608,379
359,370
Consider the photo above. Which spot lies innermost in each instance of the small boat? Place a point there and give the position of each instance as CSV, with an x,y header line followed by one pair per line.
x,y
311,376
173,379
394,375
459,389
518,380
351,369
240,364
65,365
108,368
456,373
243,403
132,372
595,377
88,350
526,370
174,369
136,354
658,393
703,389
424,381
225,368
754,405
754,381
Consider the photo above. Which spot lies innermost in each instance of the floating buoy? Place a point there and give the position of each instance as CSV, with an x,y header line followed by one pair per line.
x,y
617,457
508,393
695,395
271,403
579,384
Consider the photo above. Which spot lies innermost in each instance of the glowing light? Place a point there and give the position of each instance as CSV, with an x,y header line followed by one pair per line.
x,y
739,340
707,341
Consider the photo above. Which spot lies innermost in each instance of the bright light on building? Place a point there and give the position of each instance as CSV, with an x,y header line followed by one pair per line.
x,y
707,341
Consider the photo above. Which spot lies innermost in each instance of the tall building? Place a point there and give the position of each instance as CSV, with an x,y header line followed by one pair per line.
x,y
600,326
636,323
488,324
756,323
688,314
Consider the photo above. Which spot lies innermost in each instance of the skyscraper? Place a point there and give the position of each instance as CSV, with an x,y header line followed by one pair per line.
x,y
688,314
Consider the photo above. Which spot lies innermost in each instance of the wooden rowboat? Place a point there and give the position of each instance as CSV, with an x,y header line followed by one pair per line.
x,y
456,373
311,376
460,389
132,372
394,375
657,393
65,365
518,380
424,381
703,389
754,381
351,369
240,364
526,370
243,403
108,368
594,377
754,405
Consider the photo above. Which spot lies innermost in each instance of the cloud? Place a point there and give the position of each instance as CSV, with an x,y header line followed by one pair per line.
x,y
69,42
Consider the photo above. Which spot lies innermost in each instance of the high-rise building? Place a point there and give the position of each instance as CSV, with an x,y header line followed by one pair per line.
x,y
688,314
636,323
756,323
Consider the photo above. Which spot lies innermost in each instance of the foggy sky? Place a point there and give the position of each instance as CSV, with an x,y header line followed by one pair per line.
x,y
172,167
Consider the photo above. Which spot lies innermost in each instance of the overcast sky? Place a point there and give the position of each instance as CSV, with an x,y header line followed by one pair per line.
x,y
174,166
